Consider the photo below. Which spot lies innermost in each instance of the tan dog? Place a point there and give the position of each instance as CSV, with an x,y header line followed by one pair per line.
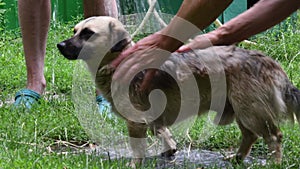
x,y
258,91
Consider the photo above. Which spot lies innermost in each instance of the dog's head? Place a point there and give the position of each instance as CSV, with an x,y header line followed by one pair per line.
x,y
95,37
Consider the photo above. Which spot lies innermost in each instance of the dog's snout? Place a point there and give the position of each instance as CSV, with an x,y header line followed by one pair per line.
x,y
68,49
61,45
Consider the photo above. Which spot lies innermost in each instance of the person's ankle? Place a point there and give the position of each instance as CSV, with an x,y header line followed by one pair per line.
x,y
37,87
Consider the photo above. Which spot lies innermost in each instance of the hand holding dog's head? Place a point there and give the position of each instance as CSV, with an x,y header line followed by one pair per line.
x,y
95,37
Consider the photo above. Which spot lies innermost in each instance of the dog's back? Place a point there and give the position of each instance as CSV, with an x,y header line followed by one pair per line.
x,y
247,73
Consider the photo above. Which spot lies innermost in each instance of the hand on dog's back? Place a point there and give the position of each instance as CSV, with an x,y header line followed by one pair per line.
x,y
151,51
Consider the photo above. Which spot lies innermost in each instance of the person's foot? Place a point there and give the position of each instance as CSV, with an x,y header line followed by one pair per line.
x,y
104,107
26,98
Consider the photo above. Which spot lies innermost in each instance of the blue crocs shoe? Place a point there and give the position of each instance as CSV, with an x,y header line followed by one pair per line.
x,y
104,107
26,98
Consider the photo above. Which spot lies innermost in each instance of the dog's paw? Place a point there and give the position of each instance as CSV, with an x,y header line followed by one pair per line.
x,y
229,157
135,163
169,155
234,158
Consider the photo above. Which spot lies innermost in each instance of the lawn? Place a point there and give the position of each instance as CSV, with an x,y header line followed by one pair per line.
x,y
52,135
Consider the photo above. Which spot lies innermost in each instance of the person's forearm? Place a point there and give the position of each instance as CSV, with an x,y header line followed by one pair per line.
x,y
202,12
195,15
191,18
263,15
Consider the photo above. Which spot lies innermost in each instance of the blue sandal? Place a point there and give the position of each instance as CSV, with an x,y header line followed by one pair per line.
x,y
104,107
26,98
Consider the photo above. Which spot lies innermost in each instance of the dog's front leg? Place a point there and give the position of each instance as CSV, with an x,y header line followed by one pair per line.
x,y
169,145
137,140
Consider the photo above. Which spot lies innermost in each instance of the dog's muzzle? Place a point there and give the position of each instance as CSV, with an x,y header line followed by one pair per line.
x,y
68,51
61,46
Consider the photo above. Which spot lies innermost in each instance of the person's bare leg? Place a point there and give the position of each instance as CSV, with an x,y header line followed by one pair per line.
x,y
34,18
100,8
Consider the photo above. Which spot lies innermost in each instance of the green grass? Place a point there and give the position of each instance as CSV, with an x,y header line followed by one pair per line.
x,y
25,137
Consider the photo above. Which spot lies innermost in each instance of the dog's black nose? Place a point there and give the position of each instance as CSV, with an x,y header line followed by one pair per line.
x,y
61,45
68,51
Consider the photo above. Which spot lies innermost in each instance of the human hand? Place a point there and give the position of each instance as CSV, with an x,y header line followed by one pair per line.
x,y
199,42
150,52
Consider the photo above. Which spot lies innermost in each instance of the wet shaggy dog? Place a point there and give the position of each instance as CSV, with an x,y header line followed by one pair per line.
x,y
257,91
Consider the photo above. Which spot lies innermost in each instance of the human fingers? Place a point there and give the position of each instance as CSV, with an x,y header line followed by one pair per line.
x,y
131,64
199,42
123,64
123,55
183,48
136,63
147,79
139,61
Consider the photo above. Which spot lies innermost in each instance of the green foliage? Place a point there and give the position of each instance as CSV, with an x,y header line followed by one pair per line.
x,y
1,8
2,12
127,7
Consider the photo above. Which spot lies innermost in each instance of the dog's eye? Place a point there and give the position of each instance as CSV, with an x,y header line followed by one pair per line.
x,y
86,34
74,31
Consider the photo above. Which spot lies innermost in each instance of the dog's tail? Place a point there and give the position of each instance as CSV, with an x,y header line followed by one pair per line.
x,y
293,101
297,103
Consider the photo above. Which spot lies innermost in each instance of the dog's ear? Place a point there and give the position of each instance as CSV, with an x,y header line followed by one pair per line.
x,y
117,35
111,26
120,46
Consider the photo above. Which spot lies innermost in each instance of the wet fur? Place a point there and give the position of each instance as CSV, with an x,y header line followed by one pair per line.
x,y
259,93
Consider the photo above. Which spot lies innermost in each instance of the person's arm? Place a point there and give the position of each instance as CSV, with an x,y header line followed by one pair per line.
x,y
191,18
263,15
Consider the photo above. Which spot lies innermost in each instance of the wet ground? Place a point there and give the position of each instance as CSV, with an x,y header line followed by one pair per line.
x,y
204,159
195,159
